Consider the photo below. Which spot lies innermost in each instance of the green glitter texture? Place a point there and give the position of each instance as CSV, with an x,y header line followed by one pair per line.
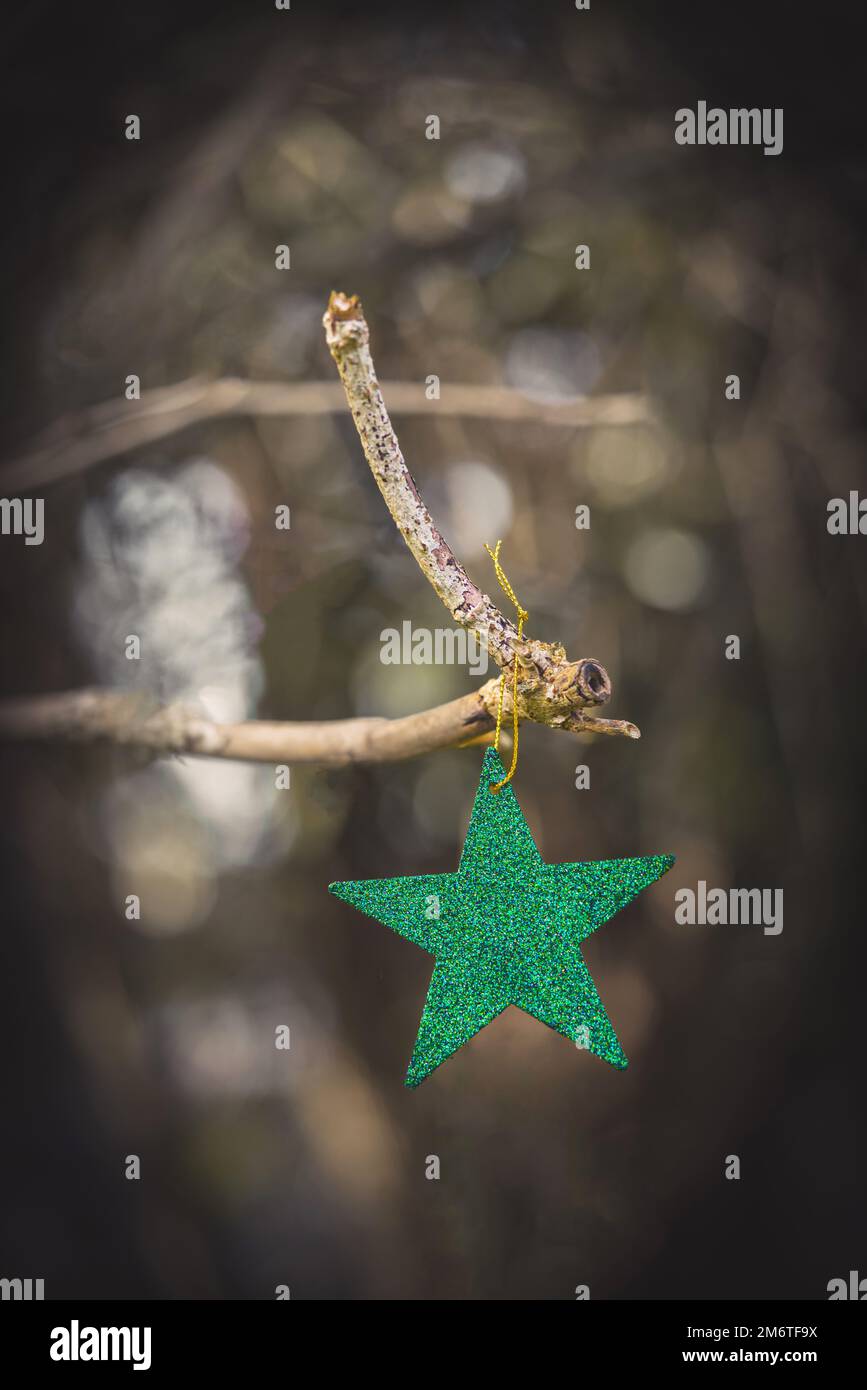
x,y
509,930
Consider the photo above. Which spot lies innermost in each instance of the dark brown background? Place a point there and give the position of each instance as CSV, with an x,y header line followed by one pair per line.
x,y
307,1168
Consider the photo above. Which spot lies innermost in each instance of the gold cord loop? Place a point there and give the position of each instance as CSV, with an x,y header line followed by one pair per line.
x,y
522,617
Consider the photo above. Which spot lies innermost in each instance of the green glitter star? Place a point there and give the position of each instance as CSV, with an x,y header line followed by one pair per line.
x,y
505,929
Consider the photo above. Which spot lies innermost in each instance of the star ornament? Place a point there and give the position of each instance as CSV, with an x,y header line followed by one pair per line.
x,y
505,929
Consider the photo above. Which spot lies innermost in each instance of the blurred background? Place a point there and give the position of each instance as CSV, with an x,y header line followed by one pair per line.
x,y
708,519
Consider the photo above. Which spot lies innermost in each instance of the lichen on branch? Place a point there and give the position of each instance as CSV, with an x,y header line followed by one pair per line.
x,y
551,689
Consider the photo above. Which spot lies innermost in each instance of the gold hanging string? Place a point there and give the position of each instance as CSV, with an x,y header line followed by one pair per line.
x,y
523,615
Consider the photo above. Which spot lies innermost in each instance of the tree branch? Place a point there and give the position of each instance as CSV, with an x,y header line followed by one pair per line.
x,y
348,339
131,721
79,441
551,689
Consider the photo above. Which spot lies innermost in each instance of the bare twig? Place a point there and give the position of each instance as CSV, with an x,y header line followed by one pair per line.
x,y
78,442
130,721
348,338
550,687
